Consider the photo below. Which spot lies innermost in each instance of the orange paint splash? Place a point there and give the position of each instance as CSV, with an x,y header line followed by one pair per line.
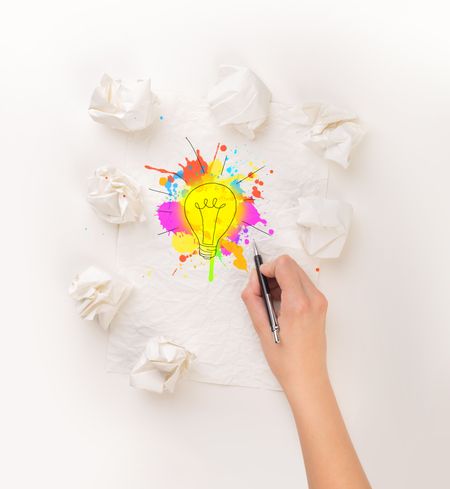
x,y
239,262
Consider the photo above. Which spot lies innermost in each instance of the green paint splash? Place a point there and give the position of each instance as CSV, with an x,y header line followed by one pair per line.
x,y
211,270
219,254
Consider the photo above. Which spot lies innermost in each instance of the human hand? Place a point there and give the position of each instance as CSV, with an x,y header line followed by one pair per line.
x,y
301,354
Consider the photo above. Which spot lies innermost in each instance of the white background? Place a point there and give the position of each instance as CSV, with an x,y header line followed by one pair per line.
x,y
68,424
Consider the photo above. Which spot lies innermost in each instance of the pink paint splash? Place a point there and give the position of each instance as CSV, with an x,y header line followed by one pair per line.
x,y
171,217
251,214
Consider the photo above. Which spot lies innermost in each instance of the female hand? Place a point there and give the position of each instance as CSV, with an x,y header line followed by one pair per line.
x,y
299,363
301,354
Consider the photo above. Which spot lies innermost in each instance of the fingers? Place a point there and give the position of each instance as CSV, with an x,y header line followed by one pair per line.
x,y
289,283
274,288
285,269
297,290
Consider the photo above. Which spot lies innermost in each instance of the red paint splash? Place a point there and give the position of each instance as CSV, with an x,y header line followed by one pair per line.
x,y
223,147
191,172
194,169
256,192
162,170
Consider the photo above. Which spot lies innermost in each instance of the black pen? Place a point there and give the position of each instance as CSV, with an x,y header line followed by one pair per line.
x,y
265,292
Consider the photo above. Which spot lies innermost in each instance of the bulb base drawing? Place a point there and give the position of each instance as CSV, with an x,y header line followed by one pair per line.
x,y
207,251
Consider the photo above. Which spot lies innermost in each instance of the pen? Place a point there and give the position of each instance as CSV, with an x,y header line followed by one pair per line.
x,y
265,292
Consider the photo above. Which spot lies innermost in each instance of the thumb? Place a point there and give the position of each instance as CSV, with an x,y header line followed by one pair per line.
x,y
251,296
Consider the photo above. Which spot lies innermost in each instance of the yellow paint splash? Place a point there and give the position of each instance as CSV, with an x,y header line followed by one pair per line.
x,y
184,243
215,167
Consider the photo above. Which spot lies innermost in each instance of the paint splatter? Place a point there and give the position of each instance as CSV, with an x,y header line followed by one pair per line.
x,y
208,211
256,192
211,270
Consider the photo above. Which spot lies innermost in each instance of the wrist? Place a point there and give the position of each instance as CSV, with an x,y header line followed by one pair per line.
x,y
311,378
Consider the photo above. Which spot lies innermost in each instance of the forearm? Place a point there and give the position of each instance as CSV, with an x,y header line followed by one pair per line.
x,y
299,363
330,459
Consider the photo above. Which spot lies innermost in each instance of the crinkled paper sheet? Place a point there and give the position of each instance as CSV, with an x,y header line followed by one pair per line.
x,y
207,318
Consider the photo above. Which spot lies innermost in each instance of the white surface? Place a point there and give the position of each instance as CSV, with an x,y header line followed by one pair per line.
x,y
207,318
64,421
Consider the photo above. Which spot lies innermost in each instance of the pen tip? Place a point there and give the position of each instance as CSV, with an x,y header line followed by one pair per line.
x,y
255,248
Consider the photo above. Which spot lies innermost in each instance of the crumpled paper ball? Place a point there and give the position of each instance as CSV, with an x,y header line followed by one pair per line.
x,y
239,99
115,196
333,132
100,295
324,225
125,105
161,365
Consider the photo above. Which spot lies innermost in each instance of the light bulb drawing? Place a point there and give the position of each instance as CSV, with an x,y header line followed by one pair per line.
x,y
210,210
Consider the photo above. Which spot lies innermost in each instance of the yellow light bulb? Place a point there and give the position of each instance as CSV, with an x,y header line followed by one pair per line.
x,y
210,209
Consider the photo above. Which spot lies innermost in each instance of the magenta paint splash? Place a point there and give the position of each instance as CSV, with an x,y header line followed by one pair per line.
x,y
171,217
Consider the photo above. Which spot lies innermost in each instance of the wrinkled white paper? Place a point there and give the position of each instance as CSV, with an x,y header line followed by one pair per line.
x,y
160,366
333,133
209,318
324,225
100,295
239,99
115,196
124,105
